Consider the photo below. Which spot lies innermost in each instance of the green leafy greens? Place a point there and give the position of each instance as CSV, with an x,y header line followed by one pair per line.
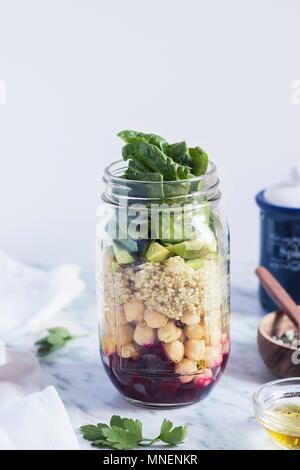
x,y
155,160
199,160
179,153
163,172
56,339
151,158
134,136
127,434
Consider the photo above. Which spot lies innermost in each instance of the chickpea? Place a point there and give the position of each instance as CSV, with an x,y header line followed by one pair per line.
x,y
213,356
225,338
169,333
190,318
225,343
175,351
134,310
122,334
226,347
127,351
113,316
186,366
215,337
105,327
144,335
194,331
155,319
203,378
213,332
182,337
195,349
108,345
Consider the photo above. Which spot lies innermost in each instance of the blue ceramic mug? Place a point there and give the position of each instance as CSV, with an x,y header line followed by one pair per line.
x,y
279,247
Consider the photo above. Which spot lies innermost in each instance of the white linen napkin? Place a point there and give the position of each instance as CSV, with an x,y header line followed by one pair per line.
x,y
30,417
20,375
37,422
30,296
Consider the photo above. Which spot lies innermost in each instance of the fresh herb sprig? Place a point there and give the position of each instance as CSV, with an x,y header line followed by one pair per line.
x,y
56,339
126,434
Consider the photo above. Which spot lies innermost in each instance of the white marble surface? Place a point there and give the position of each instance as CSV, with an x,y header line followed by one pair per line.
x,y
224,420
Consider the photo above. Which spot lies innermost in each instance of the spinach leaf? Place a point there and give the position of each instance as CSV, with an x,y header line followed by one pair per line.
x,y
175,189
153,186
140,176
157,162
179,153
136,166
199,161
133,136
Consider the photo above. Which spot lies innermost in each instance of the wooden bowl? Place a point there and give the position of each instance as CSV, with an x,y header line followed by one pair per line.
x,y
277,357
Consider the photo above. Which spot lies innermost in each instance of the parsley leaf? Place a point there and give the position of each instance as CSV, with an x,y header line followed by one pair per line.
x,y
170,435
126,434
92,433
56,339
120,438
116,421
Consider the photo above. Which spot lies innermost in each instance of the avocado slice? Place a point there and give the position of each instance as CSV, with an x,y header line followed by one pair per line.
x,y
201,263
189,249
196,264
157,253
122,256
210,247
206,213
114,266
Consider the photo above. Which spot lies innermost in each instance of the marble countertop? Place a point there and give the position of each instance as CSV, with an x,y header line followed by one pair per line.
x,y
224,420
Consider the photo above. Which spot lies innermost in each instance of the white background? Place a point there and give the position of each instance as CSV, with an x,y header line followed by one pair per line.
x,y
217,73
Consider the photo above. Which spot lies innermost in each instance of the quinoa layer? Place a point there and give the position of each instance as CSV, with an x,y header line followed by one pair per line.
x,y
170,288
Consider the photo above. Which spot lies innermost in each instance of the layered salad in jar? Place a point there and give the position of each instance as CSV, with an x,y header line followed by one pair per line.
x,y
164,329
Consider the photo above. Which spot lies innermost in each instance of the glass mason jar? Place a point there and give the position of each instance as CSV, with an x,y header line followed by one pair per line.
x,y
163,287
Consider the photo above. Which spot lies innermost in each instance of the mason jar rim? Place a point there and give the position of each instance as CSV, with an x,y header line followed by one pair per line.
x,y
123,192
109,176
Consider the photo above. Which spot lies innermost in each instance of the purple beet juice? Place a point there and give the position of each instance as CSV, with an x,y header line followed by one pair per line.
x,y
151,379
